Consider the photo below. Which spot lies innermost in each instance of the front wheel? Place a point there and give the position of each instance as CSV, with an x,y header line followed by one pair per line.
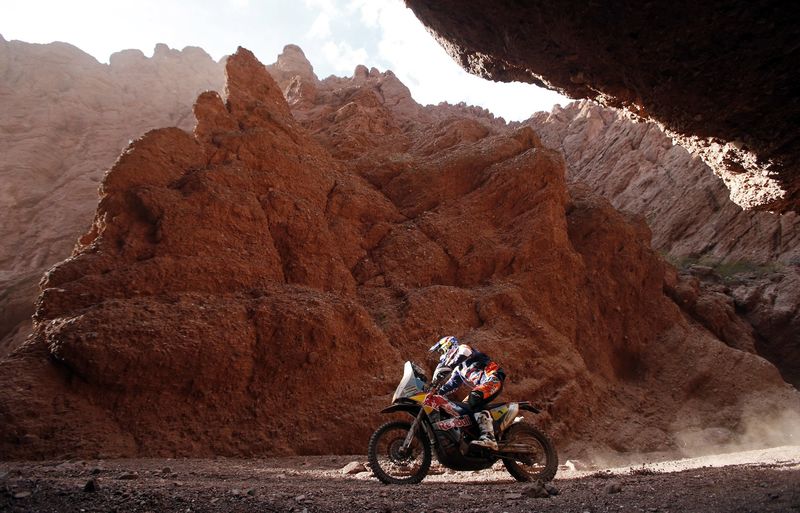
x,y
390,463
540,464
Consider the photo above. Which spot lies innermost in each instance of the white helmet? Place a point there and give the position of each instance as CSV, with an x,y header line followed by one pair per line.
x,y
444,344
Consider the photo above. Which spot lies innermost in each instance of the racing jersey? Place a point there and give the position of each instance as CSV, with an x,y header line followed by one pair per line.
x,y
469,366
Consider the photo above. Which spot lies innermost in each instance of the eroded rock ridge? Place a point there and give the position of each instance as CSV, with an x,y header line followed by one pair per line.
x,y
65,119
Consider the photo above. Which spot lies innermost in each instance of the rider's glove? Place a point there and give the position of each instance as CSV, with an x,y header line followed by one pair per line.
x,y
439,376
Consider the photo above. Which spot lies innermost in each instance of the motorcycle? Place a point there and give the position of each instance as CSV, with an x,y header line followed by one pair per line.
x,y
400,451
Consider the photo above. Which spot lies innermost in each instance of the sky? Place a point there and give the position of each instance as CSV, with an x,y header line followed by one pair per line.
x,y
336,35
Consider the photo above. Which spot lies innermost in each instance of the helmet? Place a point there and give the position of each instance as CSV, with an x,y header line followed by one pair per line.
x,y
444,344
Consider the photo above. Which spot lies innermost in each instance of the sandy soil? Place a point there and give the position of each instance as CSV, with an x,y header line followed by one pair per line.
x,y
767,480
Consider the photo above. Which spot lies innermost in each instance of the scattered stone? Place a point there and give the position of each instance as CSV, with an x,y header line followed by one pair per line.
x,y
91,486
512,496
578,465
383,508
551,489
354,467
613,487
22,495
129,476
95,471
30,439
251,492
166,470
536,490
299,498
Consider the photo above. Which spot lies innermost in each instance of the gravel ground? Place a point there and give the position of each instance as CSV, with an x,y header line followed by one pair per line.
x,y
741,482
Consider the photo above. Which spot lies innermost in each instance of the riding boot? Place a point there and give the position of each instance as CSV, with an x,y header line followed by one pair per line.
x,y
484,420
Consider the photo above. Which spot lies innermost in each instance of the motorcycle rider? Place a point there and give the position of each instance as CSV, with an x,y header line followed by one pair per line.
x,y
475,369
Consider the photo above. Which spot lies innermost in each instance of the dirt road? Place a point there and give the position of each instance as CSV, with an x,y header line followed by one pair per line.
x,y
755,481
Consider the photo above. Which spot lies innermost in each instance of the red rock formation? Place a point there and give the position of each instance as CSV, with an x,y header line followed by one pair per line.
x,y
772,306
253,288
756,254
65,119
718,77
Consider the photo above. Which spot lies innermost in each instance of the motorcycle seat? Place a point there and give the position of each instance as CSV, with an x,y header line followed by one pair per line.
x,y
464,409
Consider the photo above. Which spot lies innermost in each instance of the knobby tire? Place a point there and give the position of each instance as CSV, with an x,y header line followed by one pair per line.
x,y
374,463
516,469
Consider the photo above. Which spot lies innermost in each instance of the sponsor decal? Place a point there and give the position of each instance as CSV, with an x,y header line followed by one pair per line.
x,y
499,412
435,402
445,425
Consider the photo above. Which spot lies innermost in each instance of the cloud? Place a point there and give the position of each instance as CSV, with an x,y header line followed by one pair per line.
x,y
369,9
328,7
343,57
321,28
422,64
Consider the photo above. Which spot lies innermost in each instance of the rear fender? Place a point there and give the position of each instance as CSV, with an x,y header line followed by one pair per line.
x,y
525,405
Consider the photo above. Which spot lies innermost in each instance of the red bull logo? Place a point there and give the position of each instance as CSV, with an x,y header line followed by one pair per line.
x,y
459,422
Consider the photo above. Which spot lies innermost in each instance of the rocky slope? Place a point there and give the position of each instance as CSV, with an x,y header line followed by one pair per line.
x,y
65,120
719,77
638,168
253,287
740,269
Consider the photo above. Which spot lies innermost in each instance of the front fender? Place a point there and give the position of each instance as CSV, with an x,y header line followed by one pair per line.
x,y
411,409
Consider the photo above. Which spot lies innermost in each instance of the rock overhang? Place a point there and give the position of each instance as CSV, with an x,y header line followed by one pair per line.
x,y
719,78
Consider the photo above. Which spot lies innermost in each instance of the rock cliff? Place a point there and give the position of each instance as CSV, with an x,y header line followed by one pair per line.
x,y
252,287
65,119
638,168
718,77
739,268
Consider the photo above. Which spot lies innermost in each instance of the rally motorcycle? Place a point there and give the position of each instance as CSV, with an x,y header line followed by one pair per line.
x,y
400,452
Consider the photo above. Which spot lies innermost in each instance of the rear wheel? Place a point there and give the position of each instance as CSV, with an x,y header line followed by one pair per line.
x,y
540,464
390,463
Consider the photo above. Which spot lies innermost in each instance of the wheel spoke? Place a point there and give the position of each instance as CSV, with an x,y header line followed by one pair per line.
x,y
538,462
393,459
391,462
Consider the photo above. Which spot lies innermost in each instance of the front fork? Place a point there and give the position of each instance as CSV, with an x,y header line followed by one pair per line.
x,y
411,432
